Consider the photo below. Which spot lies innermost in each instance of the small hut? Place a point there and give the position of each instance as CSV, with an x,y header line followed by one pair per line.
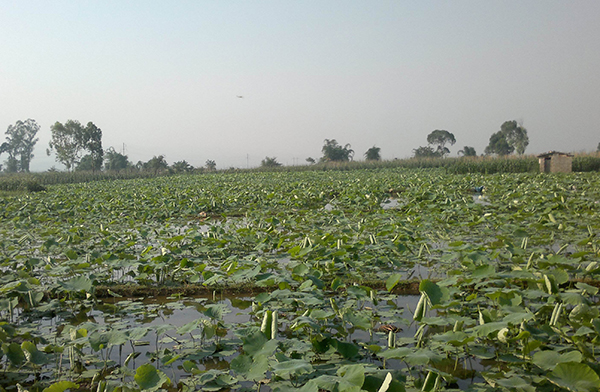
x,y
556,162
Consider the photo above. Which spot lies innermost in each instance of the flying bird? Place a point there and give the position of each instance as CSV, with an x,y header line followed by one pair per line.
x,y
240,96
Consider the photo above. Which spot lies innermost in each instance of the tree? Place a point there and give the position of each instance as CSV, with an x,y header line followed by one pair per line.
x,y
20,142
270,162
86,163
440,138
70,140
499,145
115,161
467,152
211,165
509,138
156,164
426,152
598,148
516,136
93,144
372,154
333,152
182,167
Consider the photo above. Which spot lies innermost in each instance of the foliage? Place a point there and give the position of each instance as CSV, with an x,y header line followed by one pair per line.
x,y
373,154
333,152
586,163
115,161
499,145
211,165
270,162
93,144
426,152
86,163
440,138
71,139
155,165
468,152
20,142
511,137
506,298
181,167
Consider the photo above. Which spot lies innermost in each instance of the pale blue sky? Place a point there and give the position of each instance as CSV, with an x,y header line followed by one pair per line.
x,y
162,77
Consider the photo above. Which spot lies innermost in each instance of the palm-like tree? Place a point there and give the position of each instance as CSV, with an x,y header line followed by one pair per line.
x,y
372,154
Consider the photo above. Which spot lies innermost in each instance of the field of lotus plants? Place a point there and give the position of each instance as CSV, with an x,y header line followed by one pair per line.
x,y
377,280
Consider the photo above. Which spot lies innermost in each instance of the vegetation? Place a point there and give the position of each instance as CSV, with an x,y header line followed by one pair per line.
x,y
155,165
467,152
440,138
114,161
505,282
426,152
181,167
211,165
373,154
270,162
71,139
19,145
511,137
333,152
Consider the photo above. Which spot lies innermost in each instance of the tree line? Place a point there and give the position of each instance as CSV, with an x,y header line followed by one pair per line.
x,y
79,148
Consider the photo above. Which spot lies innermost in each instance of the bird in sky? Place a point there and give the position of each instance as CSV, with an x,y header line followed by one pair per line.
x,y
240,96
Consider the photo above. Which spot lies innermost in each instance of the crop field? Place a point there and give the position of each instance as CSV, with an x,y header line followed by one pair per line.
x,y
382,279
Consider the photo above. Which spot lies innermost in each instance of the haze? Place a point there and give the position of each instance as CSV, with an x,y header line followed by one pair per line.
x,y
162,77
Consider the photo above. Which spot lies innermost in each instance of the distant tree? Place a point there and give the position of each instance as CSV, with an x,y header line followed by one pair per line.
x,y
211,165
509,138
440,138
70,140
20,142
598,148
467,152
311,161
115,161
93,144
516,136
86,163
333,152
182,167
270,162
499,145
426,152
157,164
372,154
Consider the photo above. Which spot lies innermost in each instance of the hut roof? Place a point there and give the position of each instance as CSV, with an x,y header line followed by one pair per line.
x,y
551,153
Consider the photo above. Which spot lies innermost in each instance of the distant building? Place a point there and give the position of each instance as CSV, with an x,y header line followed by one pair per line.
x,y
556,162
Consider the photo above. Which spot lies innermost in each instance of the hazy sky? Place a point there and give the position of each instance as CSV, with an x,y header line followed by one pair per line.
x,y
162,77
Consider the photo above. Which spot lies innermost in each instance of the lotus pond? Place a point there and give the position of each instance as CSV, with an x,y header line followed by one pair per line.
x,y
297,281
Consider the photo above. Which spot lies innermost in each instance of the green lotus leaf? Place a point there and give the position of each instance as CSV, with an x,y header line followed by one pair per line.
x,y
14,353
61,386
346,350
148,378
576,377
548,359
392,281
433,291
32,354
292,367
79,283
